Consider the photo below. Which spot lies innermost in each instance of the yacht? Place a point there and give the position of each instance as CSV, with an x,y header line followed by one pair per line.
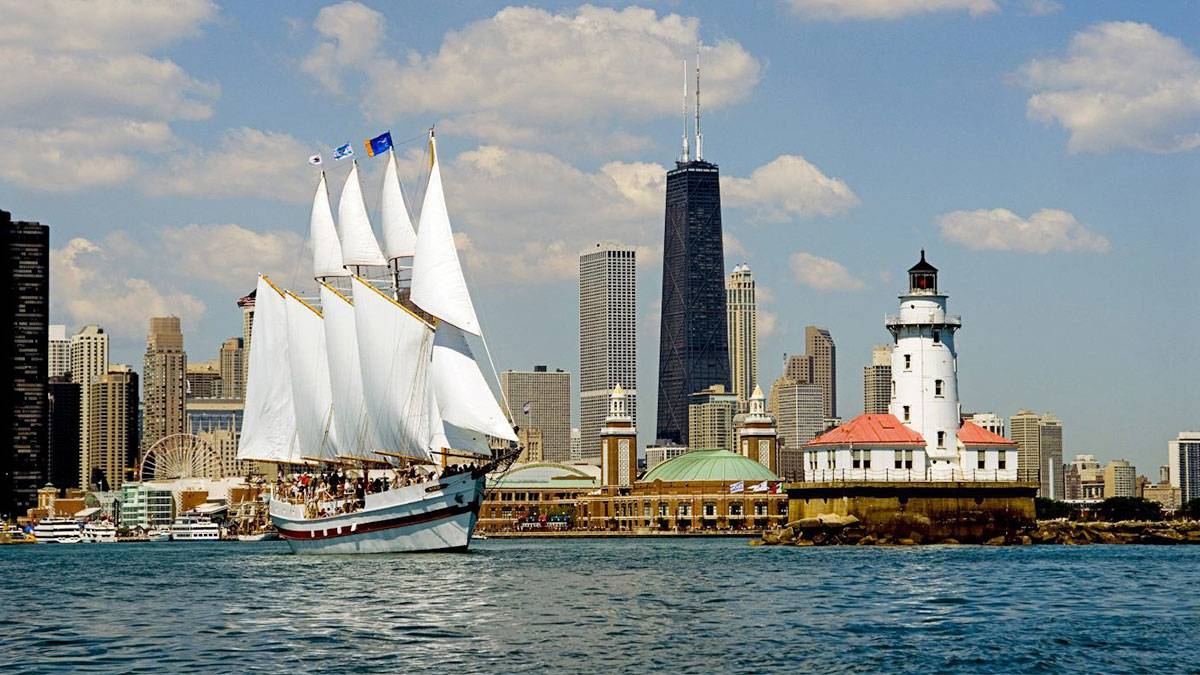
x,y
195,528
57,531
160,533
100,532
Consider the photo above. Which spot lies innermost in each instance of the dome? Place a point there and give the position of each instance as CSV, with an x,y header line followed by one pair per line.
x,y
712,465
545,475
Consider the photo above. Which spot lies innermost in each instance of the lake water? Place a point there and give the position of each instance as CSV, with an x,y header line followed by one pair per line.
x,y
676,605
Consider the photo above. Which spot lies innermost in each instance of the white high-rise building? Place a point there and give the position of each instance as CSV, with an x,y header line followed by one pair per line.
x,y
990,421
89,361
1184,465
877,381
607,338
58,351
742,327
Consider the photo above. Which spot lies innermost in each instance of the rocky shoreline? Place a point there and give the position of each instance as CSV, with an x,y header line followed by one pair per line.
x,y
838,530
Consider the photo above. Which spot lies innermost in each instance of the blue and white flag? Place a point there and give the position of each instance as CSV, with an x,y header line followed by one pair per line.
x,y
342,152
315,160
527,407
737,487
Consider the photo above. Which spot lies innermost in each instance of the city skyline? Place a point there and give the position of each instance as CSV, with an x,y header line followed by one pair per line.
x,y
918,171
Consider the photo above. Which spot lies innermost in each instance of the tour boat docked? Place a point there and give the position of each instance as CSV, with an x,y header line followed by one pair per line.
x,y
100,532
194,528
57,531
159,534
376,372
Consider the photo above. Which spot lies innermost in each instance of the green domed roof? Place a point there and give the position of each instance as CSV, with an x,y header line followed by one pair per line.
x,y
700,465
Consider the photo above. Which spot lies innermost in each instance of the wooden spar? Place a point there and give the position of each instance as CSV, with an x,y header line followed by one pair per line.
x,y
409,458
464,455
350,459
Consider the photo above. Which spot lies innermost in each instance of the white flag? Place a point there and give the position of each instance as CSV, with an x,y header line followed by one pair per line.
x,y
737,487
315,160
760,487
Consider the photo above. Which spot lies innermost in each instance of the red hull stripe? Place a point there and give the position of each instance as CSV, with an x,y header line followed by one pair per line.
x,y
373,526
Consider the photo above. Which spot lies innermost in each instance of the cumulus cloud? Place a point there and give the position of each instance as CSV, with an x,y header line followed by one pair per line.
x,y
528,212
1120,85
786,187
822,274
1046,231
1042,7
91,286
80,76
767,323
246,162
838,10
231,256
532,77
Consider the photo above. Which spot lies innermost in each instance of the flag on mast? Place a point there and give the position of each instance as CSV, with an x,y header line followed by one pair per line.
x,y
378,145
342,152
737,487
315,160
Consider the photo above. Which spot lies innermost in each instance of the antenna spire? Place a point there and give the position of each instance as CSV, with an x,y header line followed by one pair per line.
x,y
699,136
687,153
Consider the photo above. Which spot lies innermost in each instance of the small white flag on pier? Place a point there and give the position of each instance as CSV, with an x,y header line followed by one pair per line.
x,y
760,487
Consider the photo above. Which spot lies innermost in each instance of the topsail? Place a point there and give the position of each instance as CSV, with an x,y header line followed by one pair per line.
x,y
399,239
359,246
269,425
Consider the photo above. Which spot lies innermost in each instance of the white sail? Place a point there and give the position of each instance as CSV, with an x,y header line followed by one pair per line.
x,y
359,246
399,238
447,436
345,376
438,286
311,396
394,350
269,422
327,250
465,400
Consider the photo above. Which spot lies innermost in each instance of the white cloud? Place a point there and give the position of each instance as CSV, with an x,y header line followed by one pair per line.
x,y
246,162
787,187
530,213
232,256
838,10
1002,230
733,248
82,100
1042,7
91,286
767,323
1121,85
531,77
822,274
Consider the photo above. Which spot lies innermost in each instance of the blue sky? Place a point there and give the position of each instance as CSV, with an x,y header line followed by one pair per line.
x,y
1044,153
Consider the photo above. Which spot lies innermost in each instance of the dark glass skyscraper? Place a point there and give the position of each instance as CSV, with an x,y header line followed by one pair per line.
x,y
693,344
24,330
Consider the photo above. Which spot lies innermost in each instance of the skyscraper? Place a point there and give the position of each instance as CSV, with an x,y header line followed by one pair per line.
x,y
540,399
89,360
64,398
823,362
165,388
607,338
203,380
113,421
25,296
58,351
693,351
742,322
1184,465
877,381
246,303
1039,451
232,366
1119,479
710,419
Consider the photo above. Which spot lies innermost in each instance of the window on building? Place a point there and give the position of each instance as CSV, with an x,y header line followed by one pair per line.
x,y
893,390
1002,460
904,459
710,510
908,361
937,337
937,388
685,510
861,459
760,508
941,436
662,510
907,411
735,509
982,459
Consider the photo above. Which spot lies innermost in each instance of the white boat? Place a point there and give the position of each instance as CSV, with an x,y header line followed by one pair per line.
x,y
194,528
159,534
258,536
378,373
100,532
57,531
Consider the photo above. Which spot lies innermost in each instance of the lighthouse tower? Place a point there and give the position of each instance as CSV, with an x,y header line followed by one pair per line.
x,y
925,370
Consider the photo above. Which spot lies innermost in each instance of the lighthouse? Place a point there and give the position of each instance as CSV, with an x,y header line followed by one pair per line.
x,y
925,368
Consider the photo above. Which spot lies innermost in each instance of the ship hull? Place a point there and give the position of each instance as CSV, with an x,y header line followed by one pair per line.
x,y
419,518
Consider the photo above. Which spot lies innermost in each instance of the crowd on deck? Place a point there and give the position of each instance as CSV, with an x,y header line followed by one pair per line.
x,y
335,491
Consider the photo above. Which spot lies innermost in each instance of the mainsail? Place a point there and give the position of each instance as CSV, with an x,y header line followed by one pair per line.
x,y
359,246
438,286
399,238
310,380
394,350
354,434
464,398
327,250
269,425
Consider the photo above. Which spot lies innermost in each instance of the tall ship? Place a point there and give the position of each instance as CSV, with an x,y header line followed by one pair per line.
x,y
368,396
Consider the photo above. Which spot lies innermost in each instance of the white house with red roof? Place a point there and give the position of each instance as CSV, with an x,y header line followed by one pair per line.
x,y
923,436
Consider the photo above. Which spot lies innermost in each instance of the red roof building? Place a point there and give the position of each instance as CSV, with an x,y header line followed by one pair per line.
x,y
973,434
873,429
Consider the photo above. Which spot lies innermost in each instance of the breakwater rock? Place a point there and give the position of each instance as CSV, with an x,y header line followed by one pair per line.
x,y
835,530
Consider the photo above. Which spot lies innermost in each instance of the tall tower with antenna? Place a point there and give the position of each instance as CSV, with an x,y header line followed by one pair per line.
x,y
693,343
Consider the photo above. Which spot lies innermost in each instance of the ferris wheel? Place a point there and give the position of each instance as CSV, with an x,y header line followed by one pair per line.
x,y
180,456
